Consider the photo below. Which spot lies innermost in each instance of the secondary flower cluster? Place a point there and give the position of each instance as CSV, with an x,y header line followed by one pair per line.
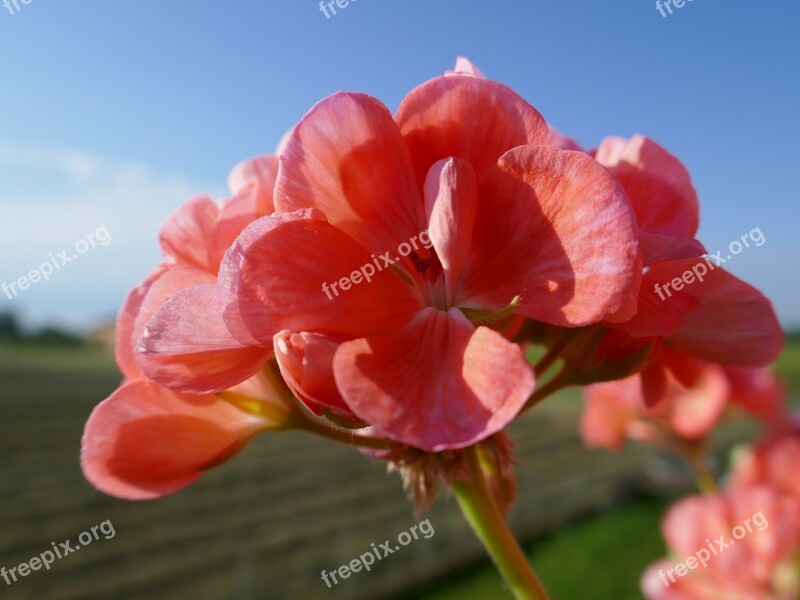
x,y
533,242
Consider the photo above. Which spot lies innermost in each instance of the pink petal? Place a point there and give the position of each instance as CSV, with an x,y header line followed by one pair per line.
x,y
733,323
451,199
184,237
555,228
643,156
273,279
126,335
656,316
658,247
437,384
465,67
186,346
609,412
144,441
697,410
561,141
474,119
348,159
236,214
260,171
306,362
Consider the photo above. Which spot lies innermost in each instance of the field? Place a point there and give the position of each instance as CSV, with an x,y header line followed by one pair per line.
x,y
265,525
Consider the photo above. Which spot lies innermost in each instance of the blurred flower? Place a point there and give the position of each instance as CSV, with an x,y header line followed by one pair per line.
x,y
735,546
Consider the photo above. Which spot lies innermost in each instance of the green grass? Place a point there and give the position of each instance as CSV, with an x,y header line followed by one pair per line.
x,y
788,365
595,559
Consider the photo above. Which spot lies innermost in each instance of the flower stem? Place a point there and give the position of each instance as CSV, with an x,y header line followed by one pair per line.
x,y
487,521
344,436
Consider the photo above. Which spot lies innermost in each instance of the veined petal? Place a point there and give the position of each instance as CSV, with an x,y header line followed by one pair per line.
x,y
555,228
474,119
187,347
348,159
437,384
145,441
285,272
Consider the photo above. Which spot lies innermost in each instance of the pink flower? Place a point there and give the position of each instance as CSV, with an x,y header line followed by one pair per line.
x,y
516,227
747,542
617,410
146,440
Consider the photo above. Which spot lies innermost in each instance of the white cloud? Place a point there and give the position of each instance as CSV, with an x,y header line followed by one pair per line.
x,y
52,197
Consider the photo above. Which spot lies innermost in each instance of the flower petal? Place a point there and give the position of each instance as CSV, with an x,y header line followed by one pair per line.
x,y
348,159
451,199
144,441
474,119
184,237
186,346
733,323
286,272
659,186
437,384
555,228
695,411
126,334
260,171
306,363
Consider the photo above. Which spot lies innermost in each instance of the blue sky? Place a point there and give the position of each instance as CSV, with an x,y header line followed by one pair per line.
x,y
112,114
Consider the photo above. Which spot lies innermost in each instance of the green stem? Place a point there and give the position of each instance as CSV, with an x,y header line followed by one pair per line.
x,y
487,521
345,436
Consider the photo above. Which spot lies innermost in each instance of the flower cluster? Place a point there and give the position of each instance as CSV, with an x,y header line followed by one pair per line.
x,y
533,242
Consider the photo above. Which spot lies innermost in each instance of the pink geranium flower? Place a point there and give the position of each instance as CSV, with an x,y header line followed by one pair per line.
x,y
753,559
163,428
517,227
617,410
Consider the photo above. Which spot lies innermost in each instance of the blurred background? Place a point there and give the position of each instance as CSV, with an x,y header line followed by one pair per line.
x,y
112,115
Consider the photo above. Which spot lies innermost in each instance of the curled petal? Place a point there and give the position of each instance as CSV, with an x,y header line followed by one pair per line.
x,y
306,362
451,199
187,347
